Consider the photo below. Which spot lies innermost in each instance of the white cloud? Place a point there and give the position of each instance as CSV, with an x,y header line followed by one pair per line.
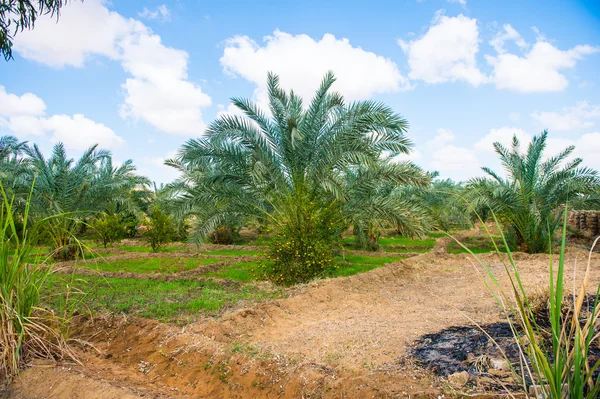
x,y
24,116
503,135
301,62
448,159
443,137
79,133
27,104
508,33
587,147
446,52
158,90
461,2
458,161
161,13
85,29
156,168
536,71
577,117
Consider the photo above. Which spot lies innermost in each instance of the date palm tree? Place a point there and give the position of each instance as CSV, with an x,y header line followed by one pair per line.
x,y
290,168
66,192
13,164
529,200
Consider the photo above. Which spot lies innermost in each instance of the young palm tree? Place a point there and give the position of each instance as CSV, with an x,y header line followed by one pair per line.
x,y
529,200
67,192
377,200
13,165
290,169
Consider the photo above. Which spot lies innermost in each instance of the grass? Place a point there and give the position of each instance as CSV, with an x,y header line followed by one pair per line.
x,y
243,272
165,301
153,265
558,359
234,252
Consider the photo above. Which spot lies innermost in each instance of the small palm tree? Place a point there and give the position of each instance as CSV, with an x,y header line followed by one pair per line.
x,y
13,165
530,199
377,200
291,169
67,192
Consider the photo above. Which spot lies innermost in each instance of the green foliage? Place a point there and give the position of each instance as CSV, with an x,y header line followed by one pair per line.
x,y
67,193
160,229
305,247
17,15
108,229
225,234
25,329
271,170
443,203
528,202
559,359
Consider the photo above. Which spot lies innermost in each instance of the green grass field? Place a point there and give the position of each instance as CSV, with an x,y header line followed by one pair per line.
x,y
152,265
162,300
184,300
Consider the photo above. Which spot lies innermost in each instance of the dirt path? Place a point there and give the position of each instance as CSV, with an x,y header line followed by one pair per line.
x,y
337,338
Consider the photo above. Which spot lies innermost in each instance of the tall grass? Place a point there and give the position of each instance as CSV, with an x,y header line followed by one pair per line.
x,y
557,359
26,331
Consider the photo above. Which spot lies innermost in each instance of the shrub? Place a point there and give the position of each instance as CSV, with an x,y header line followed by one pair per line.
x,y
225,235
304,248
108,229
160,229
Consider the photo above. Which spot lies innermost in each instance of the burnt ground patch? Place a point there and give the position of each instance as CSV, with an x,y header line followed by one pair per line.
x,y
466,348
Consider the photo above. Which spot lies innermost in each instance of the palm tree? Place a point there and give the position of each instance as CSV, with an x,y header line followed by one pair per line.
x,y
67,192
377,200
530,200
13,165
442,202
290,169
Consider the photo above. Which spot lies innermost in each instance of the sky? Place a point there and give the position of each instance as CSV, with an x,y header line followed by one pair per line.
x,y
140,77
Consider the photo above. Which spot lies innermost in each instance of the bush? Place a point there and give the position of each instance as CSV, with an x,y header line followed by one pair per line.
x,y
160,229
304,248
108,229
225,235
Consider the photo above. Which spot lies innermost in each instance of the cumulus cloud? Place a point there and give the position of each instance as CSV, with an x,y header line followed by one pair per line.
x,y
160,13
508,33
504,136
158,90
582,115
24,116
301,61
538,70
79,132
450,159
446,52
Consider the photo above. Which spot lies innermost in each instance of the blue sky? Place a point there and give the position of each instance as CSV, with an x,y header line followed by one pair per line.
x,y
141,77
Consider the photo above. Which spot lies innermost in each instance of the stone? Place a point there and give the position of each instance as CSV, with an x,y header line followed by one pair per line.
x,y
459,379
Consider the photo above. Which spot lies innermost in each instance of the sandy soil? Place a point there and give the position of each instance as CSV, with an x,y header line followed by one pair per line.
x,y
337,338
